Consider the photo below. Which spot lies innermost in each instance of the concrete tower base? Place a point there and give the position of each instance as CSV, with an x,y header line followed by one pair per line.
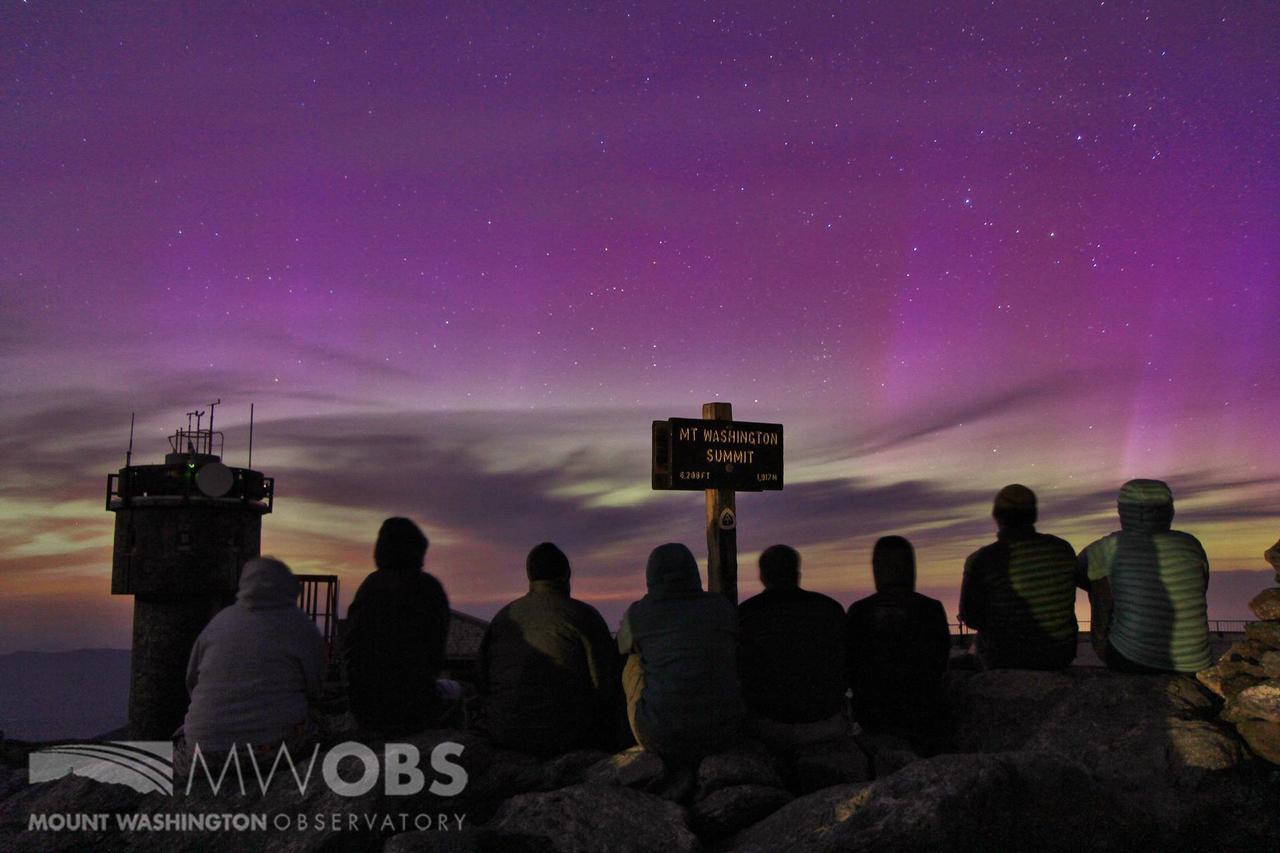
x,y
165,628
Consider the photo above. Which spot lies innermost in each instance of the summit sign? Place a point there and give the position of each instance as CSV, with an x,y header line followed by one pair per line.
x,y
696,455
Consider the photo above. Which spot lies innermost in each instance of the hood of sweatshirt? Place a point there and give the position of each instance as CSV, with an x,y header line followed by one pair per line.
x,y
267,583
1146,506
672,570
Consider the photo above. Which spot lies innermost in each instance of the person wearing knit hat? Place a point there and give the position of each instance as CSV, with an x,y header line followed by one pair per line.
x,y
548,672
1019,592
1147,586
396,630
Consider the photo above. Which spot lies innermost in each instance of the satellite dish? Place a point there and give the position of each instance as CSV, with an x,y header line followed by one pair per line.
x,y
215,479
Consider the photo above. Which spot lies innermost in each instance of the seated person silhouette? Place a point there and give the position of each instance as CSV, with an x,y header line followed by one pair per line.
x,y
255,671
1020,591
681,679
1147,586
898,647
791,656
396,629
548,669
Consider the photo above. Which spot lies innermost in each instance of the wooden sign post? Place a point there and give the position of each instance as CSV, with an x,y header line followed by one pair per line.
x,y
722,524
720,457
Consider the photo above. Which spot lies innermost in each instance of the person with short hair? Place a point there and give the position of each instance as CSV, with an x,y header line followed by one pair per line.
x,y
256,670
791,651
1147,585
548,670
898,647
1020,591
395,640
681,679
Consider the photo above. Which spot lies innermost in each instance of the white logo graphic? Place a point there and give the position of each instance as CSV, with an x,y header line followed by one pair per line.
x,y
145,766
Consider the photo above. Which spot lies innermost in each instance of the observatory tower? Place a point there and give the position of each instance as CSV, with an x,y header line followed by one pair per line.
x,y
184,530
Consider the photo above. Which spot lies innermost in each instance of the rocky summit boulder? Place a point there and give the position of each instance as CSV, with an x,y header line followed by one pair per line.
x,y
843,763
730,809
747,764
1151,743
1121,727
997,801
592,819
632,768
644,771
1266,604
1266,633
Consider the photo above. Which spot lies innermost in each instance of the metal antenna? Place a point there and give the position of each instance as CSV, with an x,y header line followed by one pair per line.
x,y
251,435
128,454
209,449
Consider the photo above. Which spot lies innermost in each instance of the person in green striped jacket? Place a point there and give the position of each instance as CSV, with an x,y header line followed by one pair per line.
x,y
1019,592
1147,586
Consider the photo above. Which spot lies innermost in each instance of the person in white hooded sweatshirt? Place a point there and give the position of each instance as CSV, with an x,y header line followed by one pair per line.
x,y
256,669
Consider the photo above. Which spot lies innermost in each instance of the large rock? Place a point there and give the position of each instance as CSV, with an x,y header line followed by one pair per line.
x,y
1266,604
845,763
570,768
632,768
888,753
747,764
1260,702
1245,657
1272,556
1226,680
1270,663
1001,709
807,818
1263,738
1001,801
730,809
1124,728
70,795
1266,633
12,780
643,770
1152,742
590,818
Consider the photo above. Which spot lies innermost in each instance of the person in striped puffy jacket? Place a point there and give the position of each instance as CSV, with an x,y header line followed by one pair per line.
x,y
1147,586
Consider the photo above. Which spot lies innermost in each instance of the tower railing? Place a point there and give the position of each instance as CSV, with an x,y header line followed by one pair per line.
x,y
318,598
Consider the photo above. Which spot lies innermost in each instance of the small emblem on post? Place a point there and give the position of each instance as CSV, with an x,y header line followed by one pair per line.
x,y
728,521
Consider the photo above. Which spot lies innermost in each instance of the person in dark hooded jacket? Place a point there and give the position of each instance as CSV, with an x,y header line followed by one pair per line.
x,y
1147,586
898,646
548,670
396,629
256,669
681,679
1020,591
792,646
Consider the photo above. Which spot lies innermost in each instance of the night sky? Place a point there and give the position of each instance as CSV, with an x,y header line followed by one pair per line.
x,y
460,256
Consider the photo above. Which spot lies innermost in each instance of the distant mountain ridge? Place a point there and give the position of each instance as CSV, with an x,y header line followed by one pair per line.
x,y
55,695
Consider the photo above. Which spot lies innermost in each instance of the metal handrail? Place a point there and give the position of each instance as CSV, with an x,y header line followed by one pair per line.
x,y
318,598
